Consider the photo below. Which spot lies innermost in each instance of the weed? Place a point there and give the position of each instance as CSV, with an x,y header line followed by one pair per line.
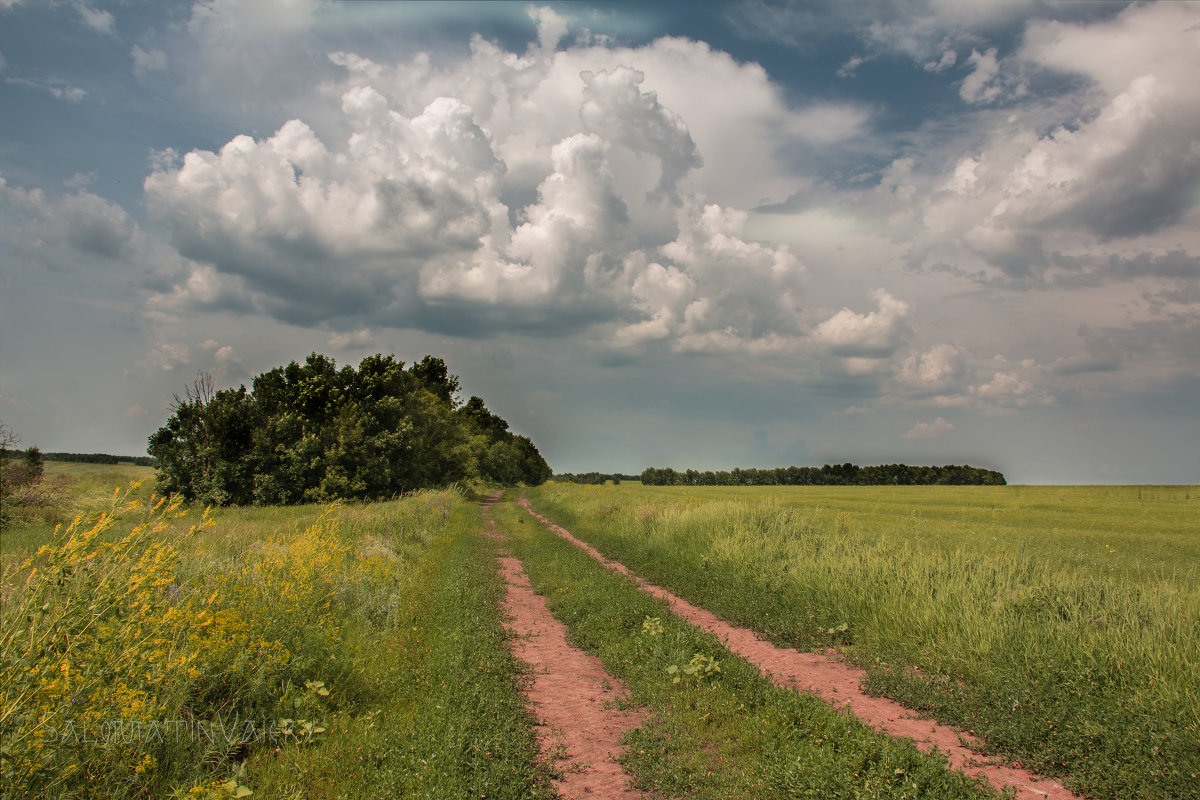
x,y
699,668
144,654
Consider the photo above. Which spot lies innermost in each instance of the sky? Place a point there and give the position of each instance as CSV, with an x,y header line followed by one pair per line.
x,y
699,235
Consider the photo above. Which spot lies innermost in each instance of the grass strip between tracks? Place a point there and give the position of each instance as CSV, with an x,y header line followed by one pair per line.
x,y
725,734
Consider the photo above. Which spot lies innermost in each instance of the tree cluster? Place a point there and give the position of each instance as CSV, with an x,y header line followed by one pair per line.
x,y
593,478
312,432
835,475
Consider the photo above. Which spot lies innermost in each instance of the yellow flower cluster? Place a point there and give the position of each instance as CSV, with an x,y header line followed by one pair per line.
x,y
89,638
103,640
256,618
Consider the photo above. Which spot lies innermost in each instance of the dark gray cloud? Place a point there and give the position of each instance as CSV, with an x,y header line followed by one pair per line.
x,y
94,226
87,224
1150,185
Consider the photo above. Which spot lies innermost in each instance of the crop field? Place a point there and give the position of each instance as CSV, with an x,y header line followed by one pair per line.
x,y
1061,625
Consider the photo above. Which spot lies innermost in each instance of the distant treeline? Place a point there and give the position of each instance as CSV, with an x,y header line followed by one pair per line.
x,y
836,475
312,432
593,478
87,458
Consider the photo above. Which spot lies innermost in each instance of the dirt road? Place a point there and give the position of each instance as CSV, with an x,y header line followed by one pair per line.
x,y
571,694
841,684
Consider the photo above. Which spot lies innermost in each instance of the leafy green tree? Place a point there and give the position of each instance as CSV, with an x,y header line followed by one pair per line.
x,y
311,433
836,475
433,373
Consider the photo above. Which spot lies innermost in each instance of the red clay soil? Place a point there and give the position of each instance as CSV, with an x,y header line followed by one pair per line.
x,y
839,683
570,692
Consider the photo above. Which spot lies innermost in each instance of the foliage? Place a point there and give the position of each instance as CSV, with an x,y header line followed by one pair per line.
x,y
33,461
593,478
837,475
699,668
117,640
313,433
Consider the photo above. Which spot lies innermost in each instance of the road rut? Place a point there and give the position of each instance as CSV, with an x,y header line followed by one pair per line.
x,y
571,694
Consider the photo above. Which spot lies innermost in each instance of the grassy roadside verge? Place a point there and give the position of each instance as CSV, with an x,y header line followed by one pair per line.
x,y
715,734
1060,625
353,651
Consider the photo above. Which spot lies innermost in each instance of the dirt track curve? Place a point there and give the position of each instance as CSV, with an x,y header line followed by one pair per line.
x,y
570,692
840,684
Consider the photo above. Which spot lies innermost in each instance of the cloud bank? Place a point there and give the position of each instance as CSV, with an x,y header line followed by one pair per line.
x,y
464,214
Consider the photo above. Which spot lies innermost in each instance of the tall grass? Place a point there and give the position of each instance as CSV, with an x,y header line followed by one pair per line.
x,y
146,651
1060,624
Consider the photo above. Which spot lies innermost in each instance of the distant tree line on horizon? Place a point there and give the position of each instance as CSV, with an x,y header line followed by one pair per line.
x,y
88,458
592,478
312,433
836,475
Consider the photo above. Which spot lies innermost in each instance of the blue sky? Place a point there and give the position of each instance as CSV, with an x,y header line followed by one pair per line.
x,y
695,235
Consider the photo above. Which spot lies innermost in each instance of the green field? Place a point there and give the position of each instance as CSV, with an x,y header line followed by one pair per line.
x,y
85,488
1061,624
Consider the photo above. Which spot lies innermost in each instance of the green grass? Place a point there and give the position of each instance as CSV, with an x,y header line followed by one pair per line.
x,y
86,488
376,624
1061,624
729,735
448,721
98,476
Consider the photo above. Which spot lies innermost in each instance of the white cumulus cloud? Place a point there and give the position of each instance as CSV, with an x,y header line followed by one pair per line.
x,y
875,334
1062,190
937,370
424,217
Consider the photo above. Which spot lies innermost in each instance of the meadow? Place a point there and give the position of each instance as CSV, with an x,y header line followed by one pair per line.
x,y
356,650
84,488
1061,625
314,651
